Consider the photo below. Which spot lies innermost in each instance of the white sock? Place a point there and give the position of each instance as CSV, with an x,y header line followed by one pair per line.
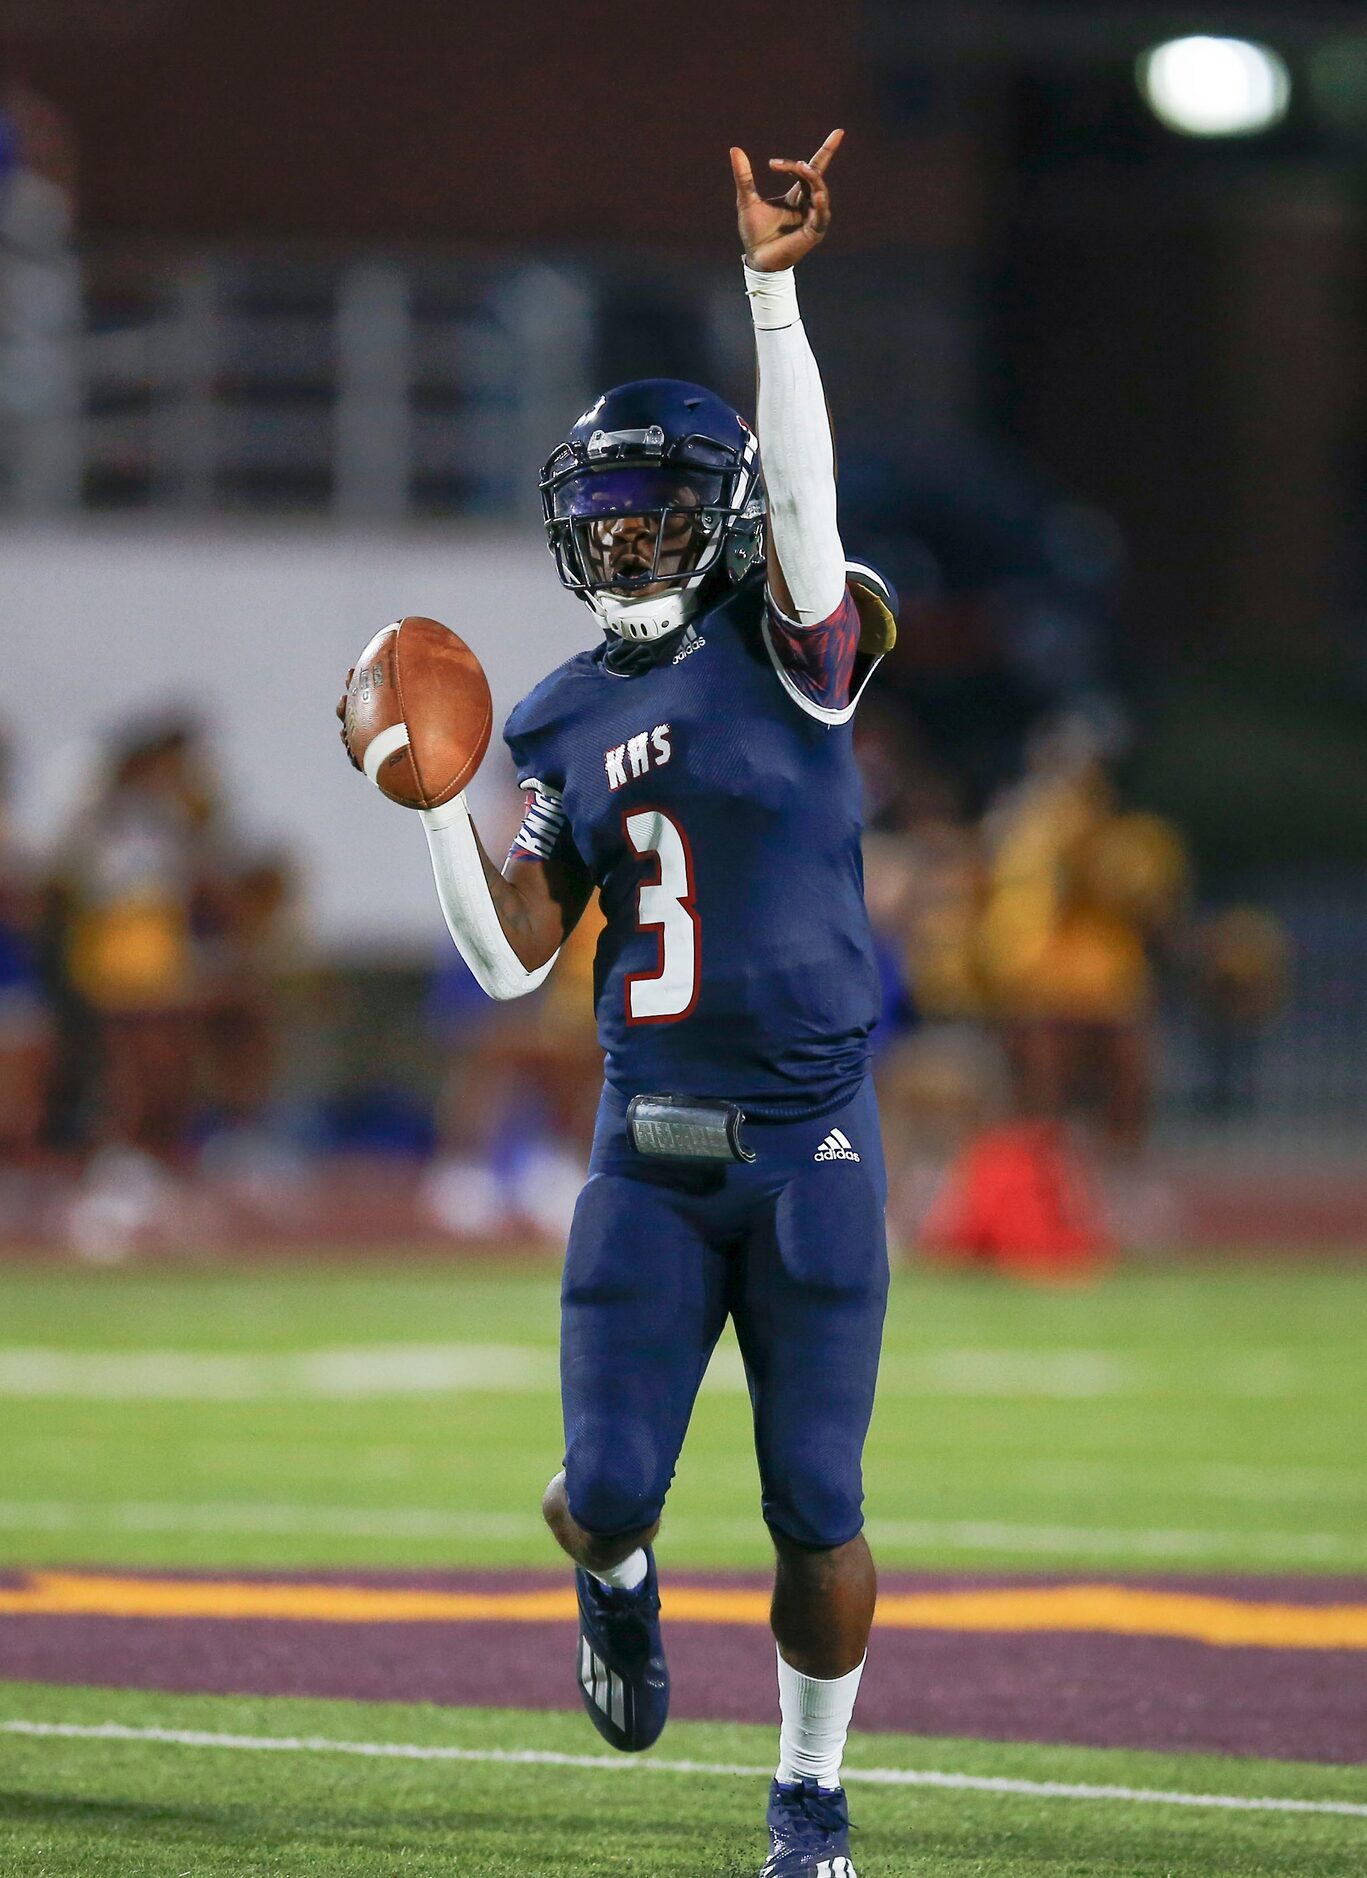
x,y
626,1576
816,1719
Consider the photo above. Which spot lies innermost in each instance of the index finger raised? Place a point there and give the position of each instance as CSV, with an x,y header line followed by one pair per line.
x,y
745,180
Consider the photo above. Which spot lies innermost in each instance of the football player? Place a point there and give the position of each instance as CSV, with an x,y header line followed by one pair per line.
x,y
695,769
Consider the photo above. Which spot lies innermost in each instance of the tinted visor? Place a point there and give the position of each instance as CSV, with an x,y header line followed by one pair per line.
x,y
634,527
640,491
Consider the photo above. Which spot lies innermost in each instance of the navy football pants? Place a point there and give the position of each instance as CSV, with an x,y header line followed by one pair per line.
x,y
793,1248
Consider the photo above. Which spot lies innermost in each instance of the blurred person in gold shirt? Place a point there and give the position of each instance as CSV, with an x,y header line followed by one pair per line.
x,y
1240,965
1080,895
139,885
248,946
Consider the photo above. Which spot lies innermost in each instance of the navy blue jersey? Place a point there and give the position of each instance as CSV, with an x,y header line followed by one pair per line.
x,y
709,791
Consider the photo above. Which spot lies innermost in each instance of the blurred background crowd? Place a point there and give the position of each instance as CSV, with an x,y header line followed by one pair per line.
x,y
1091,325
154,978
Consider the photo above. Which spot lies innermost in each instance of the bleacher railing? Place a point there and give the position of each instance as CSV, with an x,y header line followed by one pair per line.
x,y
374,386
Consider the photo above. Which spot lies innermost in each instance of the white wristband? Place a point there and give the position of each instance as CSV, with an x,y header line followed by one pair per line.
x,y
773,298
471,916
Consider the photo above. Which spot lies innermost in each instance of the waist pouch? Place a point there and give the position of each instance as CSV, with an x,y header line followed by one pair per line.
x,y
687,1128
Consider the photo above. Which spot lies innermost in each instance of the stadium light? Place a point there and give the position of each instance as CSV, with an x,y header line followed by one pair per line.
x,y
1206,87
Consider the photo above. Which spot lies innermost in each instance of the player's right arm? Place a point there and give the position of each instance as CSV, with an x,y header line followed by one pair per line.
x,y
508,926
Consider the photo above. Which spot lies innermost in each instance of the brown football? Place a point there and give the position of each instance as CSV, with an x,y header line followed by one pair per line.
x,y
418,713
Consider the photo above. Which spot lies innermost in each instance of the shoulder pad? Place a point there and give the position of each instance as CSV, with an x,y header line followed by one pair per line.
x,y
545,704
875,600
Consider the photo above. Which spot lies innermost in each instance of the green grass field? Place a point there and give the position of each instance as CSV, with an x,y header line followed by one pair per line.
x,y
100,1807
405,1416
408,1416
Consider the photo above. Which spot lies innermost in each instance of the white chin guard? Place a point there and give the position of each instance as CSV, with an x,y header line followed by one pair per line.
x,y
644,619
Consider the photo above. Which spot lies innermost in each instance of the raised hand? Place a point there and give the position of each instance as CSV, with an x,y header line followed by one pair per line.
x,y
777,232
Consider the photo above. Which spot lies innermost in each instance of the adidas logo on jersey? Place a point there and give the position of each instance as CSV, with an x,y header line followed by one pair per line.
x,y
693,642
836,1147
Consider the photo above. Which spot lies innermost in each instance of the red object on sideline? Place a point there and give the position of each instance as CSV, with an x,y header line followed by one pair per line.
x,y
1017,1200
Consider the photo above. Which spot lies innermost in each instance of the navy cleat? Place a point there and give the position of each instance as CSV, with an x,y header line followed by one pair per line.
x,y
623,1676
809,1832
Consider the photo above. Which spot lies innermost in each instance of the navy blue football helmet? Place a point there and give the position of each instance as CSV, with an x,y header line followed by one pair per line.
x,y
653,496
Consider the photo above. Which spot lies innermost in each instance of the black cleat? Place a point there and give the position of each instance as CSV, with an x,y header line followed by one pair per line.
x,y
623,1676
809,1832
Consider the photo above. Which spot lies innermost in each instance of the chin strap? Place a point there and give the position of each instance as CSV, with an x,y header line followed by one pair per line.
x,y
641,620
471,916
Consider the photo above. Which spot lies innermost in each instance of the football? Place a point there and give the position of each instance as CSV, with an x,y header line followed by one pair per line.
x,y
418,713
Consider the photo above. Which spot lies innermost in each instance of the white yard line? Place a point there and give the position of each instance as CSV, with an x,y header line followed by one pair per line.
x,y
536,1757
1066,1375
341,1374
1146,1474
280,1456
352,1372
482,1526
338,1522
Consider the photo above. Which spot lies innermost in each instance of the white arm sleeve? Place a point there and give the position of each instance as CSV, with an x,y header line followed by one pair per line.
x,y
471,916
795,447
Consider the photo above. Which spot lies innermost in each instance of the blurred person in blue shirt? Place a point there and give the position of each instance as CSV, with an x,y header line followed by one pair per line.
x,y
26,1028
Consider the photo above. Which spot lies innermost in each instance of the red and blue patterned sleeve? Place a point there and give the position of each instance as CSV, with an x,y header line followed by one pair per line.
x,y
820,666
545,833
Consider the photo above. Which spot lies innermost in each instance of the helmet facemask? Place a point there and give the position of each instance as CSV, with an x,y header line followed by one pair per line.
x,y
637,526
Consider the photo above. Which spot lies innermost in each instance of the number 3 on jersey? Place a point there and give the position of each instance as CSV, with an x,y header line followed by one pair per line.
x,y
670,992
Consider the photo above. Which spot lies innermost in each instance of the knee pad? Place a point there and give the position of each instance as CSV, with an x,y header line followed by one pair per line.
x,y
612,1475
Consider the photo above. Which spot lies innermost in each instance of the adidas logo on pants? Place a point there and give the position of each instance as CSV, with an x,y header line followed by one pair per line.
x,y
836,1147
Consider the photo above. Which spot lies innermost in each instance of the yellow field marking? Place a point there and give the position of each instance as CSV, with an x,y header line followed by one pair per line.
x,y
1116,1610
88,1594
1135,1611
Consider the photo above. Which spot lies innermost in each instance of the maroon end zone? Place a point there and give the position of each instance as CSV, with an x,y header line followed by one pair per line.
x,y
1085,1688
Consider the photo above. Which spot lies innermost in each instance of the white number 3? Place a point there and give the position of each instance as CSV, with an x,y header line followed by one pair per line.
x,y
671,990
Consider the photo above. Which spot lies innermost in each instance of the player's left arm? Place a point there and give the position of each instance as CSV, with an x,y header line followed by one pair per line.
x,y
826,634
806,561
